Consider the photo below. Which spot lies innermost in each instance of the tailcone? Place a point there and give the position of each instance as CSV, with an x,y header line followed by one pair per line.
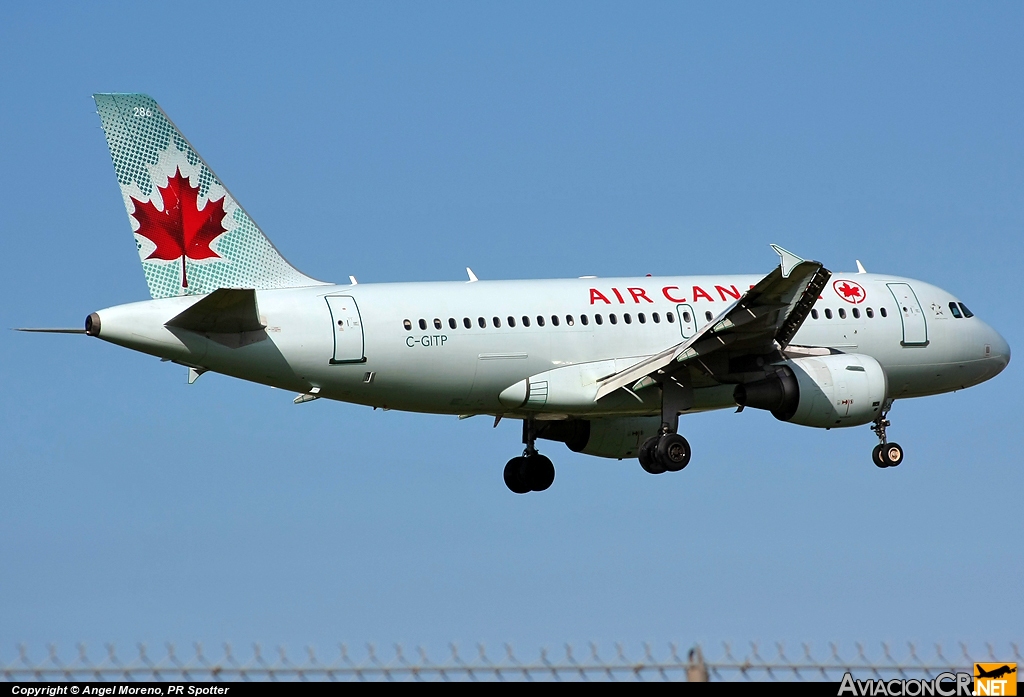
x,y
92,324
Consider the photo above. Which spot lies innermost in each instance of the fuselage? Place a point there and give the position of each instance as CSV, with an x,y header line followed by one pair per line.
x,y
453,347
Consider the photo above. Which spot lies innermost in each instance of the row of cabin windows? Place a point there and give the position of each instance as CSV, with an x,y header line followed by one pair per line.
x,y
555,320
958,310
856,313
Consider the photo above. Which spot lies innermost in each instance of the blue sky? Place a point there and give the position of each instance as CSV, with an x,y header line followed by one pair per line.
x,y
405,141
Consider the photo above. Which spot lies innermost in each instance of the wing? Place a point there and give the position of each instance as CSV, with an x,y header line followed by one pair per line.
x,y
758,325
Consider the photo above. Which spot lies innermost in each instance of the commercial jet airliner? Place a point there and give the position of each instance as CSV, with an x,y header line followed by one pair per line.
x,y
604,365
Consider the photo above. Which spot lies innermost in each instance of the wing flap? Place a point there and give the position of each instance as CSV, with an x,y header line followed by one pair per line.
x,y
763,320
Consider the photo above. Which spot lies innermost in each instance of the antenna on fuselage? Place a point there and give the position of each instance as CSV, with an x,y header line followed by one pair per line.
x,y
860,267
472,276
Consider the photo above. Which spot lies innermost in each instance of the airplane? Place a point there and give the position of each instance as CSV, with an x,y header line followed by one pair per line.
x,y
605,365
995,673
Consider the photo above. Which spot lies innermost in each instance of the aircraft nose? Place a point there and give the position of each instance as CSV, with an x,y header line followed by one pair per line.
x,y
999,350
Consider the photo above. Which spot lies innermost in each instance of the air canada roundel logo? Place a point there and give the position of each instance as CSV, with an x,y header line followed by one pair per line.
x,y
849,291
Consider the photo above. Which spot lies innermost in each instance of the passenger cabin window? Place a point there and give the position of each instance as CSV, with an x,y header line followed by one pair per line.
x,y
482,322
856,313
670,317
511,321
656,317
686,317
540,320
598,318
814,314
612,318
467,322
554,320
870,313
626,318
584,321
882,312
967,313
708,316
569,321
496,321
423,324
408,325
526,321
842,313
452,323
640,317
437,323
828,313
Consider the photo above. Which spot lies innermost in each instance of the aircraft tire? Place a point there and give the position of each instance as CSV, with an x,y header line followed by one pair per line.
x,y
540,473
893,454
673,452
514,479
876,457
646,456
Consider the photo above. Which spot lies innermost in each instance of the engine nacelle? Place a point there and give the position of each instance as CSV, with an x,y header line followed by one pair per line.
x,y
617,437
845,389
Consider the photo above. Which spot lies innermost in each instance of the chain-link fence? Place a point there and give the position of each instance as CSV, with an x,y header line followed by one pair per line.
x,y
592,663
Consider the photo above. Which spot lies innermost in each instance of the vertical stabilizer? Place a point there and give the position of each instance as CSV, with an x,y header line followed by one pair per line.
x,y
193,236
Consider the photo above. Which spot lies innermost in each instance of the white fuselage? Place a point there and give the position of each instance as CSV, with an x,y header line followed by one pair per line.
x,y
365,343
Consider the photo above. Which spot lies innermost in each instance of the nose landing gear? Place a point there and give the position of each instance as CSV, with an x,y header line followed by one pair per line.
x,y
885,454
532,471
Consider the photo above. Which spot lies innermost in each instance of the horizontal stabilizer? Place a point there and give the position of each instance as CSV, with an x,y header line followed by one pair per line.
x,y
224,311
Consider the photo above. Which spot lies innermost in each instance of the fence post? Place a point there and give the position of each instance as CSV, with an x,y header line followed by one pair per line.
x,y
696,669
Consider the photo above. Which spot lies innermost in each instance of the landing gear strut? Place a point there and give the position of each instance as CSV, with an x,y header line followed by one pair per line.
x,y
885,454
668,451
531,471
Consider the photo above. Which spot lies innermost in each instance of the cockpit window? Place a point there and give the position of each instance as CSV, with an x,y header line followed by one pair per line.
x,y
955,310
967,313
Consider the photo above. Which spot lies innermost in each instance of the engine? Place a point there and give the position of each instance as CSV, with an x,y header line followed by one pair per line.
x,y
834,391
617,437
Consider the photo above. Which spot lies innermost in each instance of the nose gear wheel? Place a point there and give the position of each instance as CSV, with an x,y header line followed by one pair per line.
x,y
885,454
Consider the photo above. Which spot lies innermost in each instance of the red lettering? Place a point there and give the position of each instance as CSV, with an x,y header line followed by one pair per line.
x,y
638,293
734,293
699,292
665,292
595,294
618,295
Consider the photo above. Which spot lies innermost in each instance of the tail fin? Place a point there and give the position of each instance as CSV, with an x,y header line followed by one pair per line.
x,y
193,236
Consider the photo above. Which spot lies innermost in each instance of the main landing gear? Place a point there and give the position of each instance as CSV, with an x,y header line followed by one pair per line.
x,y
668,451
885,454
532,471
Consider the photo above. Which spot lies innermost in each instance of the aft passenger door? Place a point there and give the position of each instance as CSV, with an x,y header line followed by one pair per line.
x,y
915,328
348,329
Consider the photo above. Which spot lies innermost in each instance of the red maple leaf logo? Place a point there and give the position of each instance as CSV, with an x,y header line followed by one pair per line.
x,y
849,291
180,230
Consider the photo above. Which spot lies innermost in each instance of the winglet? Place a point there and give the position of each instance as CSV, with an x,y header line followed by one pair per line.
x,y
789,260
860,267
472,276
